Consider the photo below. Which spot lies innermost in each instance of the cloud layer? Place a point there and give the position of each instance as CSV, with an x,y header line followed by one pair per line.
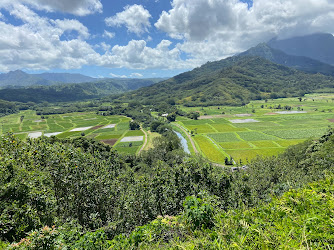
x,y
194,32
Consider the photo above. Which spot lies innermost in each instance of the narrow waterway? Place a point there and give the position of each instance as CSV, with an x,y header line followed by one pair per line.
x,y
183,142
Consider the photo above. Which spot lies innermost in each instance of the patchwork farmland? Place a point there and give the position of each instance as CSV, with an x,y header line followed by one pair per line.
x,y
259,128
112,130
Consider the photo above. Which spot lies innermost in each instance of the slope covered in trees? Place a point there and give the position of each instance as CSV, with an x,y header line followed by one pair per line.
x,y
91,194
232,81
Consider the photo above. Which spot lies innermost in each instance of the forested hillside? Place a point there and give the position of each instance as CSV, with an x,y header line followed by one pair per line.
x,y
81,194
232,81
74,92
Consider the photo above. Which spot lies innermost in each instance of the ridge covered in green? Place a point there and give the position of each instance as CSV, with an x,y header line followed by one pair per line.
x,y
232,81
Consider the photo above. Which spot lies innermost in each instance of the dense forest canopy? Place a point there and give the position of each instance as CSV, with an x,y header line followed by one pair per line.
x,y
81,186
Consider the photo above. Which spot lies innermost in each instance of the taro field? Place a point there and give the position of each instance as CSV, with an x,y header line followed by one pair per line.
x,y
259,128
112,130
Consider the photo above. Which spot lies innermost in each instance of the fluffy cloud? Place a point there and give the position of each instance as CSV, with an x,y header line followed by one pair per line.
x,y
137,55
214,29
39,43
135,18
76,7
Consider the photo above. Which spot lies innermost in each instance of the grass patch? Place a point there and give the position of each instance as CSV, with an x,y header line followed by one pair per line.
x,y
227,128
248,154
224,137
201,128
297,133
69,134
196,122
209,150
134,133
258,126
234,145
264,144
255,136
108,136
287,143
21,136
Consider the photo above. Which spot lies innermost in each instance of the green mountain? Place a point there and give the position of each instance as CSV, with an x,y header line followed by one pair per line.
x,y
232,81
298,62
20,78
74,92
317,46
65,77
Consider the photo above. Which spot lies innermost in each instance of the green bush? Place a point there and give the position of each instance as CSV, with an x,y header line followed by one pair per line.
x,y
198,214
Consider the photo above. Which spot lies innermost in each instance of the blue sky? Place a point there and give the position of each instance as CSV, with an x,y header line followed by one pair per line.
x,y
145,38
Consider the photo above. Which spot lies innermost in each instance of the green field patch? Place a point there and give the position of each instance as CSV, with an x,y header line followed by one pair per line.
x,y
106,136
224,137
69,134
209,150
11,128
235,145
134,133
22,136
264,144
54,127
122,126
305,123
220,121
37,127
257,126
297,133
65,124
201,128
248,154
196,122
255,136
226,128
287,143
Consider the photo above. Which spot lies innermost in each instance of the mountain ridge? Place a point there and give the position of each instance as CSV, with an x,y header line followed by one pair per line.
x,y
318,46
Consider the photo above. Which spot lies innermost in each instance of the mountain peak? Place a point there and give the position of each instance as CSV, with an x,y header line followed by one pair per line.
x,y
318,46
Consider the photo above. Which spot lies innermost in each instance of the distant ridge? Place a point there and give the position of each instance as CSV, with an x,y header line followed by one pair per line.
x,y
66,77
298,62
318,46
18,78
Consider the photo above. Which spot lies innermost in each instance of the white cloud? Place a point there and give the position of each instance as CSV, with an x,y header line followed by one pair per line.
x,y
118,76
70,25
38,44
137,55
136,75
76,7
214,29
135,18
108,34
